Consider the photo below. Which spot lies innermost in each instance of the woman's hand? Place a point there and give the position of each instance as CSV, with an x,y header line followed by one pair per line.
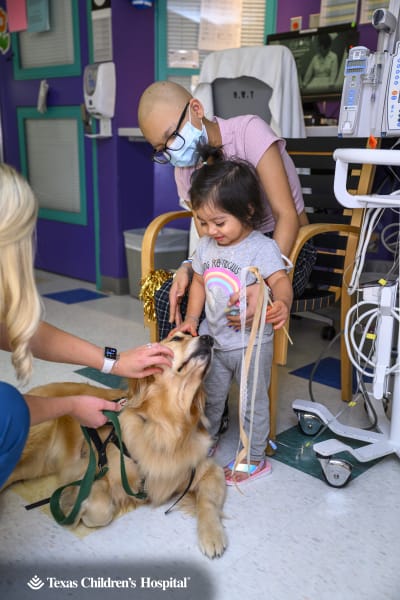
x,y
178,288
189,325
88,410
143,360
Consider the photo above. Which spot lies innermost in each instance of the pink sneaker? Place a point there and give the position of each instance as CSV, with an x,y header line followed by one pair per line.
x,y
263,468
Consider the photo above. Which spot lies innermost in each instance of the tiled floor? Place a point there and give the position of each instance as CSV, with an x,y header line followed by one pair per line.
x,y
291,536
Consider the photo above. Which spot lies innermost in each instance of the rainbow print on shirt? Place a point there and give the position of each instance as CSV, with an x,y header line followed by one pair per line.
x,y
220,284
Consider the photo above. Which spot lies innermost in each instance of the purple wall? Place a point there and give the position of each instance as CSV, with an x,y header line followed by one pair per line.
x,y
125,173
131,189
302,8
55,247
124,168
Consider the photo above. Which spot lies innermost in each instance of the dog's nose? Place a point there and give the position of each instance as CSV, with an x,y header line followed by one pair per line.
x,y
207,339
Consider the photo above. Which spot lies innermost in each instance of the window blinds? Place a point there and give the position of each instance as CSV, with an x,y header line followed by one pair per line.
x,y
183,24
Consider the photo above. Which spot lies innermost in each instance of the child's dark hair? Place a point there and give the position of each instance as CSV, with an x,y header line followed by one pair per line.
x,y
231,184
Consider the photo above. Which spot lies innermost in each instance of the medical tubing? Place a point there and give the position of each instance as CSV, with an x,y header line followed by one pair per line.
x,y
373,315
386,238
347,332
354,348
318,362
371,216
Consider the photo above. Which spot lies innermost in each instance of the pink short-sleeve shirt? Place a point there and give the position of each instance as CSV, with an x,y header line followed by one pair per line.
x,y
248,137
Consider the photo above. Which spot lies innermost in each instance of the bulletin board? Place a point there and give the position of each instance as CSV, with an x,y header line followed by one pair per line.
x,y
53,160
51,53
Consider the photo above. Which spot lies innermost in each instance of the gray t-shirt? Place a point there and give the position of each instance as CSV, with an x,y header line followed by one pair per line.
x,y
220,267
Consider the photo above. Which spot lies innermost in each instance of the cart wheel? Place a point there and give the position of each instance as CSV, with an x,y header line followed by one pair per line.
x,y
336,472
309,424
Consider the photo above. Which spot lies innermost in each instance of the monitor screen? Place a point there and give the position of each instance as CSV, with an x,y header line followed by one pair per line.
x,y
320,56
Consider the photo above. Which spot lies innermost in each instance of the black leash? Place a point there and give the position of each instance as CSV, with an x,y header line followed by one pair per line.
x,y
187,488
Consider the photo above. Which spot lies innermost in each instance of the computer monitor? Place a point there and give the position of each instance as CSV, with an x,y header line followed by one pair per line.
x,y
320,56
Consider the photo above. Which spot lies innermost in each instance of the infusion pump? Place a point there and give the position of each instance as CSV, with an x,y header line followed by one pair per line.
x,y
355,92
370,103
371,94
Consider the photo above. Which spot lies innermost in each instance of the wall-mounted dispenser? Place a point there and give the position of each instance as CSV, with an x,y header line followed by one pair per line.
x,y
99,87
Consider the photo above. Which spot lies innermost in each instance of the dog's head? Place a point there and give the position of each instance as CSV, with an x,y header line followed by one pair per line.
x,y
192,355
180,385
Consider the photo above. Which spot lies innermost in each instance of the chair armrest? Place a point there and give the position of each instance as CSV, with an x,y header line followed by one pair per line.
x,y
309,231
306,233
150,237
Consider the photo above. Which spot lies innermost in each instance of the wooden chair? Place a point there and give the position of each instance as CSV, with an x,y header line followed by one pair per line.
x,y
335,233
148,250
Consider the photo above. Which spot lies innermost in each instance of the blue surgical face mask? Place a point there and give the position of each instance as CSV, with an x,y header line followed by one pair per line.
x,y
186,156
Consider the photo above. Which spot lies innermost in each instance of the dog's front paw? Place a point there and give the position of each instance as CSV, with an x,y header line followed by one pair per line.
x,y
212,540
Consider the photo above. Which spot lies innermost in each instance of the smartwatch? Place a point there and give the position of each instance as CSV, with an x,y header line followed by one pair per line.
x,y
110,358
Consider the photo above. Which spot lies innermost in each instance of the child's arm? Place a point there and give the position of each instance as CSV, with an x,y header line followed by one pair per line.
x,y
197,298
282,297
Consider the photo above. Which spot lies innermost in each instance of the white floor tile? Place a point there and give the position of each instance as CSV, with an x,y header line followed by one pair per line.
x,y
291,536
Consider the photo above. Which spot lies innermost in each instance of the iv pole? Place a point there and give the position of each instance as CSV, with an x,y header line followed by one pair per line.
x,y
312,415
386,440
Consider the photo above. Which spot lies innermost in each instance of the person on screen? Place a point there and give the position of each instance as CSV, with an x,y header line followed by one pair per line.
x,y
323,68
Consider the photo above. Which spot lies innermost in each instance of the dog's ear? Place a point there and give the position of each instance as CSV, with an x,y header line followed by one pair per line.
x,y
136,388
198,406
199,400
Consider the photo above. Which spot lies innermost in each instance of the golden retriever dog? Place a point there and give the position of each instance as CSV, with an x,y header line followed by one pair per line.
x,y
164,431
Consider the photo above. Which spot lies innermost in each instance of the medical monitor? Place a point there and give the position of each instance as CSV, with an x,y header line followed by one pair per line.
x,y
320,56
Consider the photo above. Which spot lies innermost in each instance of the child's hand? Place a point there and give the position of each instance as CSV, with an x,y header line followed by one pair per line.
x,y
277,314
189,325
233,318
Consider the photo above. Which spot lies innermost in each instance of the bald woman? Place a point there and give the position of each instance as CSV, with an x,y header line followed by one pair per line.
x,y
173,122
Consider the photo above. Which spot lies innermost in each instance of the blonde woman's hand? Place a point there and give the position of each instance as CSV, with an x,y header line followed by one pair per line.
x,y
88,410
143,361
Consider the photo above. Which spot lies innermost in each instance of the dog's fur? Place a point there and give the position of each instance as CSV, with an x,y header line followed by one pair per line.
x,y
164,430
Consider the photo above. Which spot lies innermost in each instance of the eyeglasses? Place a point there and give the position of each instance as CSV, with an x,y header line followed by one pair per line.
x,y
163,156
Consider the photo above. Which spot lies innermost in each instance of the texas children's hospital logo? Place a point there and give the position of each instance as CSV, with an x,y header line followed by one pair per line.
x,y
36,583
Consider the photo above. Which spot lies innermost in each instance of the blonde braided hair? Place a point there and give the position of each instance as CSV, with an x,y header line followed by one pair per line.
x,y
20,306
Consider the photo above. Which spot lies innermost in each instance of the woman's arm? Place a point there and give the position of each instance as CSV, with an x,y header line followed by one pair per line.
x,y
53,344
178,288
180,284
272,173
86,409
197,296
309,73
333,68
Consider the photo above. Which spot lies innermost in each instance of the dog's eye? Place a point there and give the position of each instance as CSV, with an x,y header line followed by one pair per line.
x,y
176,338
